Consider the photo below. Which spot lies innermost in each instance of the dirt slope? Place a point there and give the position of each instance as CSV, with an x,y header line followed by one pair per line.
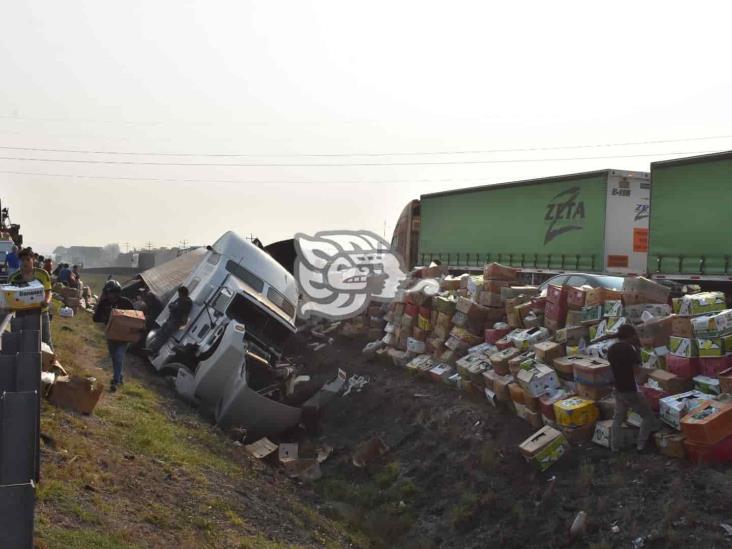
x,y
454,476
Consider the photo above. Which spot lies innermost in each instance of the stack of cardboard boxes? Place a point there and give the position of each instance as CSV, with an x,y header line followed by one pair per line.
x,y
545,357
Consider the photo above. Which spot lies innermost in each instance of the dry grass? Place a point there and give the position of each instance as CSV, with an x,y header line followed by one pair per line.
x,y
145,471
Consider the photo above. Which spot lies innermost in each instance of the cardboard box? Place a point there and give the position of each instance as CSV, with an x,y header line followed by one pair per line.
x,y
603,433
572,334
495,286
509,292
593,372
650,290
670,443
725,381
598,296
515,363
720,453
712,325
592,392
673,408
576,297
527,414
539,380
591,315
655,333
23,297
441,373
544,448
575,412
564,366
547,351
553,325
555,311
525,339
711,347
613,308
681,326
683,366
518,395
702,303
489,379
708,385
682,346
634,313
444,305
578,435
472,366
670,382
492,335
489,299
496,271
557,295
78,393
653,359
124,325
500,360
501,385
708,423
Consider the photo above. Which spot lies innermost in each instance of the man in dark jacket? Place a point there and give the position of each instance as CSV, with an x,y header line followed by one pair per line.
x,y
111,298
624,358
177,318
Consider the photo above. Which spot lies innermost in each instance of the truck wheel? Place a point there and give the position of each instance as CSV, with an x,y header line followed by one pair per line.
x,y
171,368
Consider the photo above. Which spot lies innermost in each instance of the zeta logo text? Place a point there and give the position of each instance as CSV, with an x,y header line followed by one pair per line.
x,y
564,213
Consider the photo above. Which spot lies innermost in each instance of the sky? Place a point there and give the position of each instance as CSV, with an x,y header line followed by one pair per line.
x,y
165,122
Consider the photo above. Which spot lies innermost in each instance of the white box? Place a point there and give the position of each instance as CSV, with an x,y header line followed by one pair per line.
x,y
674,407
538,380
21,298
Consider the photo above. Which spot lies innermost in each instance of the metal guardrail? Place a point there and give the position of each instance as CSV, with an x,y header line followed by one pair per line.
x,y
20,417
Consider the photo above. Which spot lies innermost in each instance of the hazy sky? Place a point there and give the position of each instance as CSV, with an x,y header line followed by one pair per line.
x,y
278,82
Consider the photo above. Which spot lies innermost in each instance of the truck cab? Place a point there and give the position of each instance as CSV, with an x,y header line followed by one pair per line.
x,y
244,310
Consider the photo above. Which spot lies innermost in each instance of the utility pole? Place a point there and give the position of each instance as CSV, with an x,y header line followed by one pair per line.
x,y
184,243
127,247
149,245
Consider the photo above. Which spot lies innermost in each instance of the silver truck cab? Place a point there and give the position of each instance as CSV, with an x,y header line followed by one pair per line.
x,y
244,309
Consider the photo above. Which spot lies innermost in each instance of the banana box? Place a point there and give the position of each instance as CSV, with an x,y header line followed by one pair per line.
x,y
22,297
683,346
702,303
544,448
710,346
575,412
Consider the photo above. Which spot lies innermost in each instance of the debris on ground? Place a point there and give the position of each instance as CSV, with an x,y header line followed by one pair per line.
x,y
369,451
261,448
355,384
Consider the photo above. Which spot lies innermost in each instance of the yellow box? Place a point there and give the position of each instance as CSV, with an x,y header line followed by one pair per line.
x,y
21,298
575,412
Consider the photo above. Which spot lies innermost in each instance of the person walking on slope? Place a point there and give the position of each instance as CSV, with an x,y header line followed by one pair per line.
x,y
28,272
624,358
177,318
111,298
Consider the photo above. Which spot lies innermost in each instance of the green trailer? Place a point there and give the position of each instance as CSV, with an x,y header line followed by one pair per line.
x,y
692,205
590,222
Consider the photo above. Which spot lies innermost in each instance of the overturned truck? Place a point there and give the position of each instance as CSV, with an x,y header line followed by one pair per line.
x,y
228,359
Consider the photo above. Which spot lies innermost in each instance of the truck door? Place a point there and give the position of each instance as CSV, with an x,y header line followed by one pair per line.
x,y
627,212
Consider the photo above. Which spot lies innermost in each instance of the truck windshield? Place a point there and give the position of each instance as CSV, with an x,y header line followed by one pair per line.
x,y
258,322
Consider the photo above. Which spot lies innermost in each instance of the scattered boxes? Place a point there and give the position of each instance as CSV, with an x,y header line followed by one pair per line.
x,y
670,443
80,394
547,351
702,303
682,346
638,290
538,380
125,325
670,382
708,423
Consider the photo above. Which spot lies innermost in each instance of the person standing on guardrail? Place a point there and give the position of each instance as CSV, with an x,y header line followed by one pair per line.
x,y
112,298
28,272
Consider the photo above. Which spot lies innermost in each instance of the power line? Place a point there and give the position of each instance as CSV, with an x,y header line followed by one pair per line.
x,y
336,165
187,180
351,155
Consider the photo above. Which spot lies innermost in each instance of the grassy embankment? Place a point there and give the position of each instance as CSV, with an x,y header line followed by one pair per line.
x,y
145,471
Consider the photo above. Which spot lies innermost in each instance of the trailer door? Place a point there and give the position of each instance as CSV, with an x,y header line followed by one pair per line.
x,y
627,212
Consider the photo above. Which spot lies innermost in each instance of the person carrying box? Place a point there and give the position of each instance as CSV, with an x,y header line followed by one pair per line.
x,y
27,273
111,298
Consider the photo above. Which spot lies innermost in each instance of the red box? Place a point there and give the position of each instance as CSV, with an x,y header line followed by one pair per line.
x,y
682,366
709,453
503,344
410,309
712,366
538,304
492,335
653,396
555,311
557,294
576,298
709,423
